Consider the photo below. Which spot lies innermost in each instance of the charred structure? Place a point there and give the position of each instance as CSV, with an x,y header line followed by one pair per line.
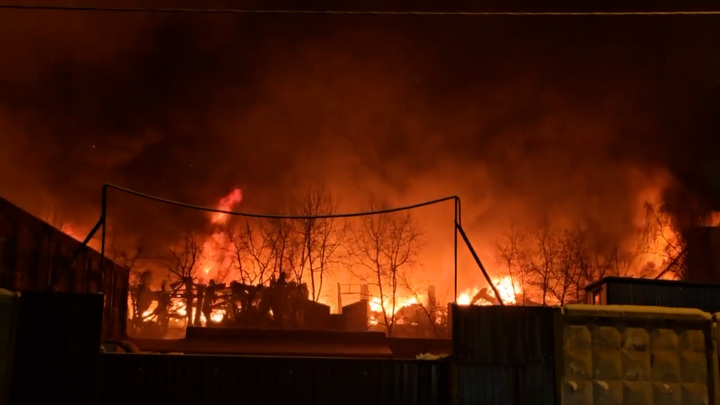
x,y
278,305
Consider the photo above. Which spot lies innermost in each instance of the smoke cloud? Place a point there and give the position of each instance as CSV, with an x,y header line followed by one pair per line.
x,y
530,120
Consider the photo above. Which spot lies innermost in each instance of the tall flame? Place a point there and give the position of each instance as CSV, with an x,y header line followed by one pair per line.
x,y
226,204
215,247
507,288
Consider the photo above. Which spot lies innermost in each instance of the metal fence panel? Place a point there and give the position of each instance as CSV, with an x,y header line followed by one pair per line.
x,y
56,348
496,335
507,385
190,379
8,318
505,355
34,252
663,293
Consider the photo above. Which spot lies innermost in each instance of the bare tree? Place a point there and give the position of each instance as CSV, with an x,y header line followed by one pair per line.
x,y
620,263
557,265
383,246
509,252
284,246
567,273
129,261
182,264
540,259
320,237
251,251
659,230
561,264
185,256
429,310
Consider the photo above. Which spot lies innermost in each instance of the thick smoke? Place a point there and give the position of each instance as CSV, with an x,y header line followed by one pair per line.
x,y
530,120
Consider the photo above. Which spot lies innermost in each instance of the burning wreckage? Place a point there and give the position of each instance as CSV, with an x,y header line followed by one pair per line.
x,y
281,304
219,298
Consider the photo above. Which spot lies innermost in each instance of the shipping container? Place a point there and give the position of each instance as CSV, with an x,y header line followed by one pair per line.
x,y
201,379
55,348
33,253
506,354
662,293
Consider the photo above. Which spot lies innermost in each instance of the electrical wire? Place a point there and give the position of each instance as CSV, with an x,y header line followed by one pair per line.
x,y
278,216
103,218
359,12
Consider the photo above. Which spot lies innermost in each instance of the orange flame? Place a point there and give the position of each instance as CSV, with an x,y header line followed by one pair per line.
x,y
226,204
215,248
400,302
507,288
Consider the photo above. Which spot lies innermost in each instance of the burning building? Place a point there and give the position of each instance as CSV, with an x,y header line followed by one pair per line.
x,y
249,271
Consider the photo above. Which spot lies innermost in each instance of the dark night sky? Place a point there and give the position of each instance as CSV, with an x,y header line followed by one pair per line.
x,y
528,117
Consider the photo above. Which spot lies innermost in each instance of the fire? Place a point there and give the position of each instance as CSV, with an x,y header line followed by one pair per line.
x,y
150,310
400,302
178,306
714,219
69,230
217,315
226,204
215,263
507,288
216,247
465,298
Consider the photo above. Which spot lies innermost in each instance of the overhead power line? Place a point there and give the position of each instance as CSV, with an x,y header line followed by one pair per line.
x,y
359,12
280,216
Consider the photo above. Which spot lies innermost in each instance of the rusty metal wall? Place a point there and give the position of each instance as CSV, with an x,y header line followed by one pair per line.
x,y
505,355
190,379
32,251
56,348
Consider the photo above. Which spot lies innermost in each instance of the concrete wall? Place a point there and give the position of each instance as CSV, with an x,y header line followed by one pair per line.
x,y
637,355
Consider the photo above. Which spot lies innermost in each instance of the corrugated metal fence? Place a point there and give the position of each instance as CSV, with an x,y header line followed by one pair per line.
x,y
191,379
32,253
55,350
663,293
505,355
